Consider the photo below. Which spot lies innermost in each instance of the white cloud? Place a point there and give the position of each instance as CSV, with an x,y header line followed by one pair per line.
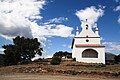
x,y
112,46
62,30
119,19
117,8
36,57
48,56
91,14
56,20
1,50
107,43
18,17
116,1
102,39
51,30
102,7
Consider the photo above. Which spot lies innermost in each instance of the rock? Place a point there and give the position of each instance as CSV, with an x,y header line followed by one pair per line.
x,y
44,71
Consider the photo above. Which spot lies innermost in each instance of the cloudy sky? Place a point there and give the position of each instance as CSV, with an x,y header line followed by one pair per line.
x,y
54,22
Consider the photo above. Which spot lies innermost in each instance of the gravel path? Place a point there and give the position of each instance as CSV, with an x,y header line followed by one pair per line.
x,y
45,77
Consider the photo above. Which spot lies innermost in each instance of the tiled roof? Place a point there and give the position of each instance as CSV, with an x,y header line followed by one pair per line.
x,y
89,45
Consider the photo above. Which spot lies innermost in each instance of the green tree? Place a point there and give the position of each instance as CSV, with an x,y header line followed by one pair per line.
x,y
11,56
61,54
21,49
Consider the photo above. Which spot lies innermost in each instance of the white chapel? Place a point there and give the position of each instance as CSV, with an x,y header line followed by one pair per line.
x,y
86,45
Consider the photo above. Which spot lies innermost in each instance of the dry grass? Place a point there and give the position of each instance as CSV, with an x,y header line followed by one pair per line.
x,y
62,68
83,66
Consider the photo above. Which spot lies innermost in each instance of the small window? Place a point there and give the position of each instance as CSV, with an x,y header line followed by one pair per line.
x,y
87,40
86,27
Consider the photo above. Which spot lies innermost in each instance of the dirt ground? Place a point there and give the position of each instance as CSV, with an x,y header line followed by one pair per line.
x,y
59,72
21,76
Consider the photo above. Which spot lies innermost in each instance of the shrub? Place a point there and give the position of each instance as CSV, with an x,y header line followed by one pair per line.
x,y
74,59
24,62
55,60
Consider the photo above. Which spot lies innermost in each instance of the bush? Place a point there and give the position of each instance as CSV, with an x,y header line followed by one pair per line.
x,y
74,59
24,62
55,60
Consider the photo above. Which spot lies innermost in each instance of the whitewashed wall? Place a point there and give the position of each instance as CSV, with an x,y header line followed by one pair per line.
x,y
78,55
83,41
94,38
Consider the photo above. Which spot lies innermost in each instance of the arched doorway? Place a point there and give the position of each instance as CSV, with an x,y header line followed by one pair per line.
x,y
89,53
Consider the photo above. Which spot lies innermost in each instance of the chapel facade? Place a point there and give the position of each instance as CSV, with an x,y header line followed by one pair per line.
x,y
86,45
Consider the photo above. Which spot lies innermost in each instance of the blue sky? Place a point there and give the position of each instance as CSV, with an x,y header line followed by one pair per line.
x,y
54,22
